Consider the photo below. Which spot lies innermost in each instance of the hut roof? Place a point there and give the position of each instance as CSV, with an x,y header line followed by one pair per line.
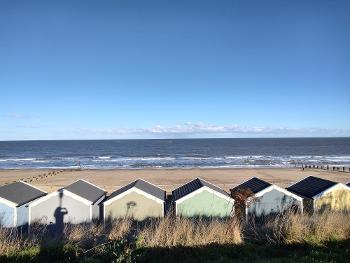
x,y
193,186
254,184
143,186
311,186
20,193
86,190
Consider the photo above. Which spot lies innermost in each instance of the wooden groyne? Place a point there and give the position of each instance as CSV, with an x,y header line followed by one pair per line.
x,y
42,176
337,168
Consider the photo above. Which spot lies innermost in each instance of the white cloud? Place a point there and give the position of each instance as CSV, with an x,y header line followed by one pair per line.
x,y
186,130
201,130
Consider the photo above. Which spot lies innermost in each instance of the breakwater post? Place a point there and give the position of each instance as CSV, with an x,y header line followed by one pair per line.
x,y
342,169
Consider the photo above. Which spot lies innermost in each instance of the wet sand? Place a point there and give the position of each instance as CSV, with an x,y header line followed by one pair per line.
x,y
168,179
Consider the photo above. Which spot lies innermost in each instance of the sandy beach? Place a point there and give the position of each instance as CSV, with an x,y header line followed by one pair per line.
x,y
167,179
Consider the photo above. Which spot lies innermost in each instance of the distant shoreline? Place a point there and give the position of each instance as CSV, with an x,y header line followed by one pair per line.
x,y
146,168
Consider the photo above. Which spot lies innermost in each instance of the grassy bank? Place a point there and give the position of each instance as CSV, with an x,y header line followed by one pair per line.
x,y
286,238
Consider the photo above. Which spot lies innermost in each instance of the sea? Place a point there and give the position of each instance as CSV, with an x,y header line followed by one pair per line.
x,y
175,153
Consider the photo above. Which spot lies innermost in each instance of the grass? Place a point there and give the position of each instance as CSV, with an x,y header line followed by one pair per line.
x,y
284,238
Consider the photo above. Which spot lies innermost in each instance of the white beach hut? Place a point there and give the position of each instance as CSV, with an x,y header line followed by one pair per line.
x,y
262,198
14,201
76,203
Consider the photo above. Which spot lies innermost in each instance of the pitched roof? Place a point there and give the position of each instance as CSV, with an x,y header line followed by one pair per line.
x,y
143,186
310,186
193,186
86,190
254,184
20,193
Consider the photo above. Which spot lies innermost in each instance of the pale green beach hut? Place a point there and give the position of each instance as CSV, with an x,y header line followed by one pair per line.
x,y
201,198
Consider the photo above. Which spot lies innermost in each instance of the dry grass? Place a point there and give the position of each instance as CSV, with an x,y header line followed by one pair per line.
x,y
9,240
118,229
292,228
317,228
168,232
17,239
288,228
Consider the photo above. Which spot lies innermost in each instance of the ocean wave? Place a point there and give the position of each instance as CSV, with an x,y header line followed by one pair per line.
x,y
17,159
194,158
104,157
177,161
245,157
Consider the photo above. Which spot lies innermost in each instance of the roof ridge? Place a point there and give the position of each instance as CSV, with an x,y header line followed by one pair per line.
x,y
150,189
315,177
311,186
143,180
37,188
211,184
251,178
319,178
85,181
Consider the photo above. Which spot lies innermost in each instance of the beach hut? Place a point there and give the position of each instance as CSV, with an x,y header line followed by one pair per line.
x,y
14,200
138,200
201,198
76,203
259,198
320,194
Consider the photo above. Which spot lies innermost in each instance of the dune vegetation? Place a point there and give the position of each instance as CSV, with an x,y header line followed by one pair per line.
x,y
283,238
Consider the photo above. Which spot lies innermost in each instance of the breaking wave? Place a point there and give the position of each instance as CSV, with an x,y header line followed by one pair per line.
x,y
139,162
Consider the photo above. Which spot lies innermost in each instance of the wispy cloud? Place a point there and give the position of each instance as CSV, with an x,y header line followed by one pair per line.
x,y
18,116
186,130
193,130
28,126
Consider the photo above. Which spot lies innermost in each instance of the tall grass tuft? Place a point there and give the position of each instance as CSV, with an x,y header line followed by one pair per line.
x,y
169,231
296,228
317,228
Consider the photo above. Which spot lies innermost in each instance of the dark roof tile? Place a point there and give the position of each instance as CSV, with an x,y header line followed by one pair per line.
x,y
20,193
143,186
255,185
193,186
86,190
310,186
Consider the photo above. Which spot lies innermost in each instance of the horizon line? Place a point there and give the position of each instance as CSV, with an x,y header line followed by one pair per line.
x,y
195,138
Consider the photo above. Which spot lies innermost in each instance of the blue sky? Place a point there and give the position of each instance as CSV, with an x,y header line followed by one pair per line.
x,y
159,69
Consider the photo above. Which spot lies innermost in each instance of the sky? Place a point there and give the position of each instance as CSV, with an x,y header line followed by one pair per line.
x,y
174,69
